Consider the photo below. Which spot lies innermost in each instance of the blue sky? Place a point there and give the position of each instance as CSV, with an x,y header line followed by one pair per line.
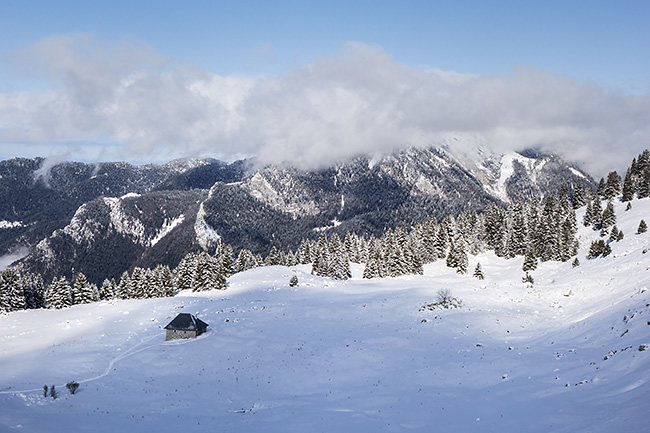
x,y
63,49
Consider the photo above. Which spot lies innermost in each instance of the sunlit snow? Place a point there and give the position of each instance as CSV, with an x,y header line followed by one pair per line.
x,y
359,355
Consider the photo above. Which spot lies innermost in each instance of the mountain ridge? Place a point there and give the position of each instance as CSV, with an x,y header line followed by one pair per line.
x,y
245,205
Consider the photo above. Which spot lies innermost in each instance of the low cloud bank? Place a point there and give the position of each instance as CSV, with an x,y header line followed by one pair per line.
x,y
360,101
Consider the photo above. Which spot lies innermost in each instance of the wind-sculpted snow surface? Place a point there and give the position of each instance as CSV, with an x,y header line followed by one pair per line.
x,y
569,354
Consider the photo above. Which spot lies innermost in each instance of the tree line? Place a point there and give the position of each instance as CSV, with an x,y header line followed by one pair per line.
x,y
538,230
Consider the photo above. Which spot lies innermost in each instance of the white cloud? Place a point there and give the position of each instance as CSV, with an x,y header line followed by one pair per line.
x,y
358,101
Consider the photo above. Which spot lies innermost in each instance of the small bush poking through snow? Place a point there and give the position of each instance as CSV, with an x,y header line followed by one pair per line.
x,y
72,386
293,282
445,301
528,279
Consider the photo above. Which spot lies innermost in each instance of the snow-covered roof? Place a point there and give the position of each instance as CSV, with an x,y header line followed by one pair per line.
x,y
186,322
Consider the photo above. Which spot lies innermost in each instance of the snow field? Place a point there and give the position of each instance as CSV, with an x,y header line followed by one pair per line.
x,y
356,355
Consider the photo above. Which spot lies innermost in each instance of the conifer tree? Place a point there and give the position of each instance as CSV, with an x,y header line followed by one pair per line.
x,y
107,291
165,280
273,259
208,275
83,292
589,215
374,265
530,260
12,297
291,259
58,294
245,261
478,272
609,217
644,184
123,290
224,256
578,196
600,190
339,263
575,263
304,255
34,290
642,227
139,289
184,274
597,214
612,186
628,187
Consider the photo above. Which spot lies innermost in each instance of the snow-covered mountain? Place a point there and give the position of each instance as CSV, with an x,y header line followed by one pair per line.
x,y
571,353
72,216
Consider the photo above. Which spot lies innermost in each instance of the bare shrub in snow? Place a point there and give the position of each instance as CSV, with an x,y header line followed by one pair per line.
x,y
72,386
445,301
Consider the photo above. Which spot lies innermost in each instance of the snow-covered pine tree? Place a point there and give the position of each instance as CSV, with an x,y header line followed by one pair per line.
x,y
597,214
165,280
304,255
495,229
600,190
461,254
516,241
339,263
476,242
644,184
291,259
152,286
224,255
440,243
123,290
478,272
208,275
245,261
107,290
34,290
12,297
548,233
628,187
589,215
184,273
83,292
457,257
413,259
139,288
530,260
578,196
568,243
642,227
612,186
273,259
609,217
58,294
374,265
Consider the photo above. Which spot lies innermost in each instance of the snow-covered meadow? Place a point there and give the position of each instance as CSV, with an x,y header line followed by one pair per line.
x,y
356,355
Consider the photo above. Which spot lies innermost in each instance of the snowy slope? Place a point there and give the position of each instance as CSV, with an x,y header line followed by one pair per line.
x,y
355,356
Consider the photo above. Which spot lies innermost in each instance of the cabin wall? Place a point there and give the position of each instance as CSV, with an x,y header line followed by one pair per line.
x,y
173,334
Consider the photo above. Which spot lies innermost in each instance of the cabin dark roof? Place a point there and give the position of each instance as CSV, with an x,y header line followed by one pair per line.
x,y
186,322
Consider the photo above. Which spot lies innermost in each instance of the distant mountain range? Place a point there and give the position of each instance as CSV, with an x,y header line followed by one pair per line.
x,y
103,219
